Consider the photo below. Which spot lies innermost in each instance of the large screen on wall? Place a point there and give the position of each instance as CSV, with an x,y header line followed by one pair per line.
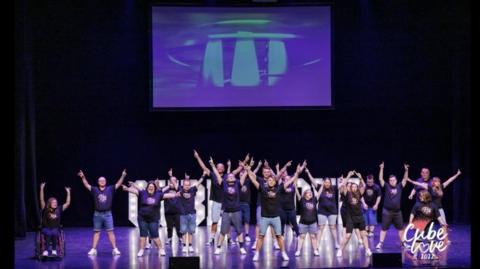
x,y
238,57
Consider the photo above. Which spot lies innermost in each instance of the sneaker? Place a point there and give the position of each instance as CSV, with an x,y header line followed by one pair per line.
x,y
148,245
368,252
115,251
339,253
218,251
54,252
255,257
211,242
92,252
254,246
379,245
140,253
285,256
247,238
190,248
297,253
161,252
169,241
184,249
275,245
315,252
45,253
243,251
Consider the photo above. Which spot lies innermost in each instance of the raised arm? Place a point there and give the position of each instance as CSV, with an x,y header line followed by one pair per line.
x,y
120,180
239,168
42,196
420,184
259,164
215,171
130,189
229,166
132,184
405,175
67,202
200,162
84,180
252,176
297,193
200,180
319,192
450,180
380,174
362,182
242,178
311,178
292,179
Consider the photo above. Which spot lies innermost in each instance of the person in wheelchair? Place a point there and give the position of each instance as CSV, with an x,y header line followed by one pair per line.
x,y
51,220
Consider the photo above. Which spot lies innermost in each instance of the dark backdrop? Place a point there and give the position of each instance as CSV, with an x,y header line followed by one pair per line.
x,y
401,87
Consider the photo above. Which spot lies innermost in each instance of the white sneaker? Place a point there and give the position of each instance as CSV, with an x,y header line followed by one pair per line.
x,y
54,252
379,245
115,251
254,246
45,253
190,248
140,253
184,249
255,257
169,240
92,252
315,252
285,256
218,251
247,238
148,245
275,245
243,251
368,252
339,253
297,253
161,252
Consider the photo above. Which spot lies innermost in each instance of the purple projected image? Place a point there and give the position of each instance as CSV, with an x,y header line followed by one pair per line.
x,y
241,57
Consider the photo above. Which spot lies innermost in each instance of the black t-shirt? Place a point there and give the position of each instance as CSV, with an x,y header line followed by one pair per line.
x,y
270,201
392,197
371,194
327,204
287,197
216,192
354,205
149,205
103,199
51,219
231,196
187,200
245,192
425,211
172,206
343,198
261,181
308,211
436,195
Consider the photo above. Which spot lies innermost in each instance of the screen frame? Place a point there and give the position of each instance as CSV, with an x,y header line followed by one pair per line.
x,y
239,108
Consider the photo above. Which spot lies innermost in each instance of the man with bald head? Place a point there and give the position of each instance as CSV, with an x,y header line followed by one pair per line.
x,y
102,216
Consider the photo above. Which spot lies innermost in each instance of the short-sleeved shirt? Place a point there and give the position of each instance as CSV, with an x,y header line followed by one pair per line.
x,y
371,194
187,200
172,206
103,198
231,196
216,191
354,204
270,201
149,205
436,195
246,192
425,211
418,189
308,211
52,218
392,197
327,203
287,197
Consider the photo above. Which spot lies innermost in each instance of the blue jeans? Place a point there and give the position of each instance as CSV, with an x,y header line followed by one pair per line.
x,y
245,208
102,219
148,228
51,237
370,216
275,222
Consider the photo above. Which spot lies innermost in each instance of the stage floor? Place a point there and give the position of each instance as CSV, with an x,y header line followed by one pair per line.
x,y
78,243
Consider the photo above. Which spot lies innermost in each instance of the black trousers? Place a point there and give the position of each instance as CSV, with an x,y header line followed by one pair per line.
x,y
173,220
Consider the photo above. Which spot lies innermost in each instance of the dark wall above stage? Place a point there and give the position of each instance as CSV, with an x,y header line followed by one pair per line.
x,y
401,88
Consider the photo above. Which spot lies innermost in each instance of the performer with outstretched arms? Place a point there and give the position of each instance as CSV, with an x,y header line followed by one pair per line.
x,y
288,212
172,209
102,217
51,219
424,178
392,204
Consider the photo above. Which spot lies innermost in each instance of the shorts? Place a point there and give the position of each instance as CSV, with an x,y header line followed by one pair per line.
x,y
258,214
323,219
216,211
355,222
245,209
102,219
274,222
188,223
229,218
308,228
389,217
370,216
148,228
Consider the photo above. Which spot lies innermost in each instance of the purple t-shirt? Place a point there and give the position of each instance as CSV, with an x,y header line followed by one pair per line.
x,y
51,219
149,205
231,196
103,199
245,192
371,194
392,197
287,197
327,204
308,211
187,200
270,201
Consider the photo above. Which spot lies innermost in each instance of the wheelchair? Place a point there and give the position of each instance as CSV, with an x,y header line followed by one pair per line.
x,y
41,245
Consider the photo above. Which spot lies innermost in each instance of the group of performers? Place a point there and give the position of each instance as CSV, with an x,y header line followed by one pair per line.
x,y
279,200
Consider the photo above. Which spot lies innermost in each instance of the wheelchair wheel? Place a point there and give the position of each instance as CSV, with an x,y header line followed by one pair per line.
x,y
39,245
